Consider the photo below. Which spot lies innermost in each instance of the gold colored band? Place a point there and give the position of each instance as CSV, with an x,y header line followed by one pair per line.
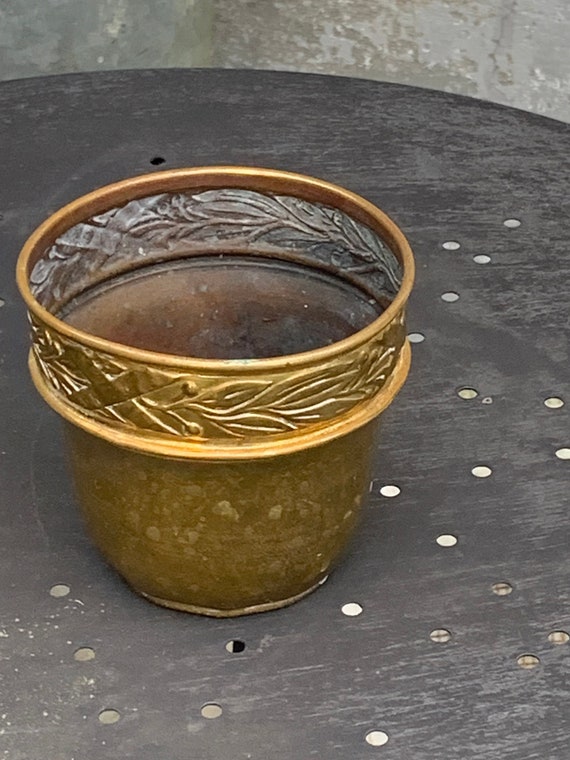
x,y
227,449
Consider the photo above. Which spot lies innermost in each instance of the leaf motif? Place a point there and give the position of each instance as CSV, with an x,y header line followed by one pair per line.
x,y
172,403
255,422
313,217
316,388
231,396
333,405
156,419
158,400
110,243
253,202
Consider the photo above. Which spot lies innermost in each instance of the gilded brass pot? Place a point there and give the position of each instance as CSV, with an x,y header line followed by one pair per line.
x,y
229,483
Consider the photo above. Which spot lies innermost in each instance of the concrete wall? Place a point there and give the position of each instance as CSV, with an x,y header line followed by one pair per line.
x,y
509,51
59,36
515,52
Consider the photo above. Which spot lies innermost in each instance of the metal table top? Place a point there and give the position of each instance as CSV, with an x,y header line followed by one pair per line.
x,y
441,662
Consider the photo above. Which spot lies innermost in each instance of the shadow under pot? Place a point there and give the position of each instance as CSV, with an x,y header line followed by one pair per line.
x,y
220,342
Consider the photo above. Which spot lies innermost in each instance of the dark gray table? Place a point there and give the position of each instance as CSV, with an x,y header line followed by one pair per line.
x,y
311,681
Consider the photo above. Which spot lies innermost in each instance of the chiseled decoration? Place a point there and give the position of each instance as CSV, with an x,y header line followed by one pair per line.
x,y
168,401
174,225
118,391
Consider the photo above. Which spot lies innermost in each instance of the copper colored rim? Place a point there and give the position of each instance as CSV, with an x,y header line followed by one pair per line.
x,y
216,176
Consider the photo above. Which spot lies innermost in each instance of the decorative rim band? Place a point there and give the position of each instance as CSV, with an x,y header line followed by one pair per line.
x,y
229,449
214,176
217,409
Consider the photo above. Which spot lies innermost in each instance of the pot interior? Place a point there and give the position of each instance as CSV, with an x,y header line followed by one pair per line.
x,y
219,274
224,307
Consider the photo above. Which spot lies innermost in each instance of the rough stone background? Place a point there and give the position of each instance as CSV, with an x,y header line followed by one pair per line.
x,y
59,36
515,52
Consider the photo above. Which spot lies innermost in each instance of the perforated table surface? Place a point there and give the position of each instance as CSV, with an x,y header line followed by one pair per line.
x,y
460,570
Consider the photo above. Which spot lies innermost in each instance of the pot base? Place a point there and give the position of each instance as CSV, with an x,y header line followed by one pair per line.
x,y
211,612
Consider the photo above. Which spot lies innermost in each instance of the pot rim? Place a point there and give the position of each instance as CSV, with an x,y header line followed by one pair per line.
x,y
253,178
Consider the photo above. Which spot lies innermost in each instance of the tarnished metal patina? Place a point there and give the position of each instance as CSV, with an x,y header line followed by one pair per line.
x,y
220,341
